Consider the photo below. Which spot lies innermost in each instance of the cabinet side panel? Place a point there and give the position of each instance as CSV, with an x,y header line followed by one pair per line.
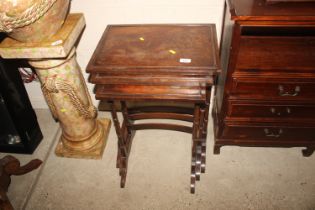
x,y
225,47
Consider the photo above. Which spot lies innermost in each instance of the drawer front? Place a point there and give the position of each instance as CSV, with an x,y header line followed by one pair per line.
x,y
276,53
266,133
273,89
150,92
250,110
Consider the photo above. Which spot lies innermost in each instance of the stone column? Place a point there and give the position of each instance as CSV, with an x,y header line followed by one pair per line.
x,y
63,85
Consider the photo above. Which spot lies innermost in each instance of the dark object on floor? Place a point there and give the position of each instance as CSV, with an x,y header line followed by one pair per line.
x,y
19,129
9,165
157,64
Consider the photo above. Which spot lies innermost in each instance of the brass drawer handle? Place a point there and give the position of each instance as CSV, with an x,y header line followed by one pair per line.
x,y
275,112
269,133
282,92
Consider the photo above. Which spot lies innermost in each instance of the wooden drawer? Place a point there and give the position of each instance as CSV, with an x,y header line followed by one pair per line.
x,y
272,53
270,110
151,92
146,79
273,89
266,133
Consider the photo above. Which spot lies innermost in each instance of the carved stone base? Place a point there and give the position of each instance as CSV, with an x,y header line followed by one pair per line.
x,y
95,152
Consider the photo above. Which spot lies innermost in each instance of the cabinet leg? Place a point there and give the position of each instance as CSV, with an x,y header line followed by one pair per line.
x,y
216,149
308,151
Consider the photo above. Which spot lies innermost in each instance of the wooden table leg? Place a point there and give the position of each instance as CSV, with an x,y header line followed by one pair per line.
x,y
200,127
126,117
117,129
199,142
194,148
128,135
125,135
205,130
127,125
122,151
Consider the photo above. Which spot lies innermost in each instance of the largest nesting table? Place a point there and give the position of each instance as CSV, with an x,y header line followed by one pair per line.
x,y
167,65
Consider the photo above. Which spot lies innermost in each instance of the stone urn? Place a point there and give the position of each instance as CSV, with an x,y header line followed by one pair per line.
x,y
32,20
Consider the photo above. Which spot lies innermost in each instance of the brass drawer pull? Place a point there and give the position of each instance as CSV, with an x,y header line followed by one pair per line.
x,y
275,112
282,92
268,133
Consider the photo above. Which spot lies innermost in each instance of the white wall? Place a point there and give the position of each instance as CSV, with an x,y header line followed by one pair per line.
x,y
99,13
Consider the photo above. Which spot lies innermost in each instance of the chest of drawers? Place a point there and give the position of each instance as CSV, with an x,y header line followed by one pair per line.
x,y
265,95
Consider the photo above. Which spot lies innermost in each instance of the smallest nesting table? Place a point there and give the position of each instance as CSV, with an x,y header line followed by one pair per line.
x,y
170,66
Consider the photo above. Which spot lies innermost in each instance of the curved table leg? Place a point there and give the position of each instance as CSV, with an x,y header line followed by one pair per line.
x,y
9,165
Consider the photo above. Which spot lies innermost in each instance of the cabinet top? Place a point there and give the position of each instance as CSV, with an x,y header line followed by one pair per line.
x,y
260,10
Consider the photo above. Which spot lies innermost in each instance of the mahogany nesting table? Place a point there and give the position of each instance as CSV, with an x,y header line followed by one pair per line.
x,y
172,64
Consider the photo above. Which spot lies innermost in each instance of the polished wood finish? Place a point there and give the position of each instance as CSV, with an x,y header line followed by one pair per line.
x,y
258,10
171,66
277,1
143,49
265,94
9,165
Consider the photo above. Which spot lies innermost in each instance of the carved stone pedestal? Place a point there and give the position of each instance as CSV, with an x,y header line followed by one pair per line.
x,y
83,136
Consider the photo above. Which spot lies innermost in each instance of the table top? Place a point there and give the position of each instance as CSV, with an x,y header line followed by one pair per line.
x,y
164,48
155,62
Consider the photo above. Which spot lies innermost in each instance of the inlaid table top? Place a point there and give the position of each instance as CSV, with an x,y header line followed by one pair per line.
x,y
180,49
